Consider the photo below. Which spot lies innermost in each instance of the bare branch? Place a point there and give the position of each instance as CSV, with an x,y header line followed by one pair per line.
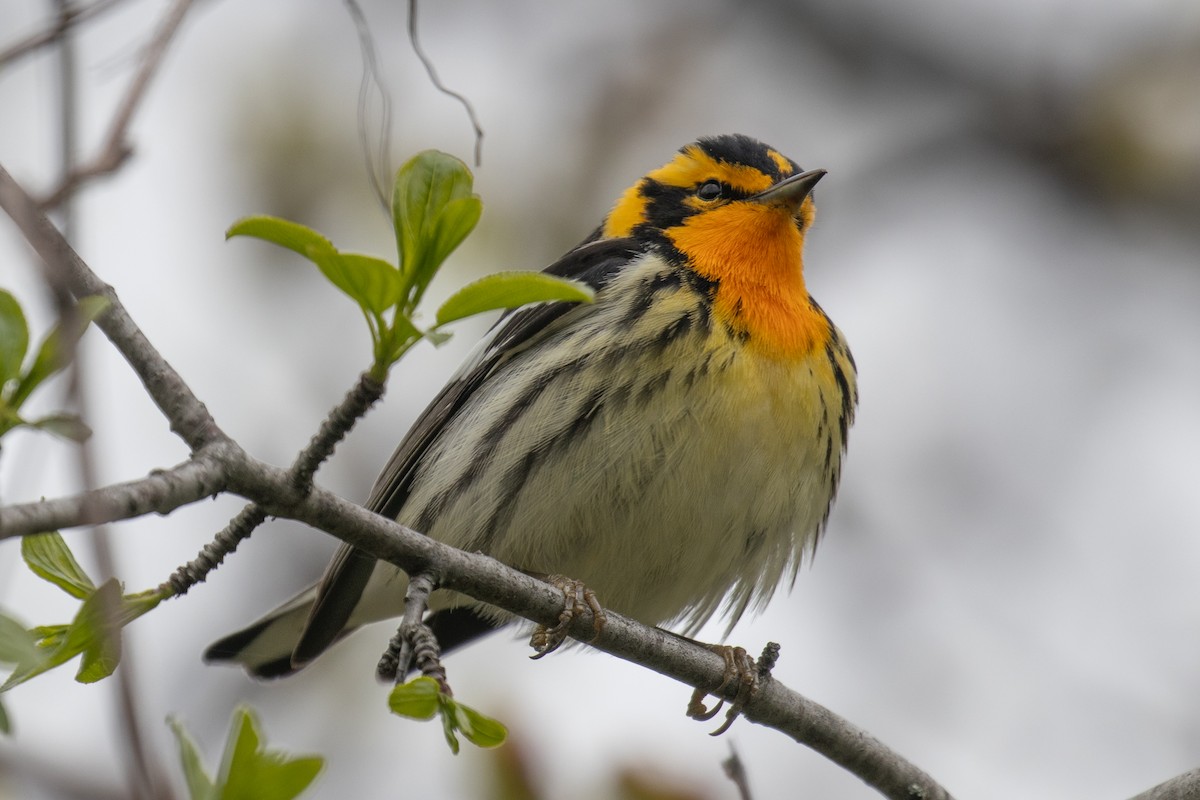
x,y
1183,787
486,579
341,419
160,492
213,554
188,417
116,148
358,401
143,775
219,463
71,16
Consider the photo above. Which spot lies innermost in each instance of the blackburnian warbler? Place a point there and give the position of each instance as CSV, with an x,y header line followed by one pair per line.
x,y
675,446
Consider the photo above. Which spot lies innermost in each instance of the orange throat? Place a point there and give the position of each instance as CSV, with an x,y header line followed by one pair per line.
x,y
754,252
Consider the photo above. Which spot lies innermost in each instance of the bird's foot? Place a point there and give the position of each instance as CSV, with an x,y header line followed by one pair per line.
x,y
740,670
577,598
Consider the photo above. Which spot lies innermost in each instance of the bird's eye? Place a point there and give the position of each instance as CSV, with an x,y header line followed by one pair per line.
x,y
709,190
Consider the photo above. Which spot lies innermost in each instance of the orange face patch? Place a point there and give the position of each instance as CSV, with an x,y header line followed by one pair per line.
x,y
689,168
754,253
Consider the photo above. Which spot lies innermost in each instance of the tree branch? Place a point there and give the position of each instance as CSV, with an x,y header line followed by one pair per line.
x,y
160,492
62,23
479,576
486,579
1182,787
337,424
116,148
188,417
775,706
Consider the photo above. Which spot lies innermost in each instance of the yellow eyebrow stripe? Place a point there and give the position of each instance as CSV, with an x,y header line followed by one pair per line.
x,y
693,166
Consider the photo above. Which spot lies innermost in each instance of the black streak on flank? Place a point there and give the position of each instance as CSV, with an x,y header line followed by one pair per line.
x,y
646,293
511,483
653,387
843,390
675,329
588,411
491,439
700,371
753,543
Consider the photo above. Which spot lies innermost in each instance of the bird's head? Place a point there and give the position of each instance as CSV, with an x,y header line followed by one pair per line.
x,y
729,187
735,212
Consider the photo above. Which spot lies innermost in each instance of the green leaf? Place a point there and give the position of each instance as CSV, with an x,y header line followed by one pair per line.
x,y
68,426
199,785
50,558
417,699
5,722
372,282
480,730
424,194
509,290
438,338
454,224
14,337
299,239
292,235
96,632
54,351
421,698
424,185
50,637
449,724
17,645
250,772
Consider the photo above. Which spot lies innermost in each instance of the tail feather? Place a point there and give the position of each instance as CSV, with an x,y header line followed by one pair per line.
x,y
329,611
274,646
264,648
455,627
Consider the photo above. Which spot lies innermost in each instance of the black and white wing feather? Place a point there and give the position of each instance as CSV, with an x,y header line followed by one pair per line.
x,y
595,263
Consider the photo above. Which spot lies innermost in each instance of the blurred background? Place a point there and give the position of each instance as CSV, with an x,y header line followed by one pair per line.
x,y
1008,591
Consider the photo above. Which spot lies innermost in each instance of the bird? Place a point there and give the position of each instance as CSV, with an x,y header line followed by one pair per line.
x,y
675,445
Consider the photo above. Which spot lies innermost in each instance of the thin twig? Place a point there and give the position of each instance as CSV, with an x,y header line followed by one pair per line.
x,y
116,148
414,641
144,778
188,417
213,553
366,392
735,770
378,162
441,87
73,15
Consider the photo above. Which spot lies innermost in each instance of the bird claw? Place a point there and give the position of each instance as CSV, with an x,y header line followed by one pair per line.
x,y
740,668
577,598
